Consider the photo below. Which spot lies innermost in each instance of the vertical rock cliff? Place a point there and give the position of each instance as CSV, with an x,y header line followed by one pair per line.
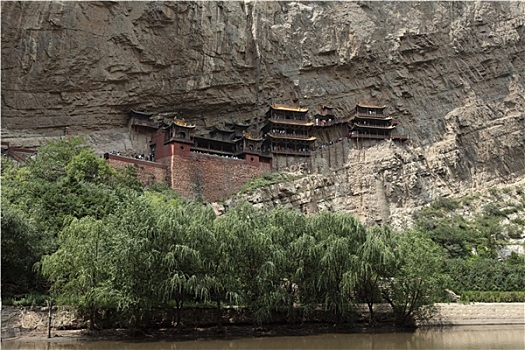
x,y
452,73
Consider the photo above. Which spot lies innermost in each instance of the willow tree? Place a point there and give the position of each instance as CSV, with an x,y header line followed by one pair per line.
x,y
375,256
78,270
415,280
338,236
181,227
246,230
219,275
136,259
305,253
287,226
155,241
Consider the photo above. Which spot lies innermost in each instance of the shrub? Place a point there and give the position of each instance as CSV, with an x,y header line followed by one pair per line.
x,y
514,231
27,300
492,210
265,180
446,203
493,296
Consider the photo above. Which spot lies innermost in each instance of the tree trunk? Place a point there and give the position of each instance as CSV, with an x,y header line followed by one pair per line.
x,y
91,325
179,315
371,311
291,294
290,311
219,313
49,305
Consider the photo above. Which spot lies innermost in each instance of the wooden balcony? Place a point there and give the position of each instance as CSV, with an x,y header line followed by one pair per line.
x,y
371,116
379,137
291,137
143,122
290,122
373,126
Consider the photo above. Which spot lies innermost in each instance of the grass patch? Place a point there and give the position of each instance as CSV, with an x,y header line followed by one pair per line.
x,y
519,221
445,203
493,296
514,231
27,300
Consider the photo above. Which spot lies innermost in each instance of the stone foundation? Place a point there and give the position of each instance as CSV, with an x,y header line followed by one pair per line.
x,y
458,314
17,321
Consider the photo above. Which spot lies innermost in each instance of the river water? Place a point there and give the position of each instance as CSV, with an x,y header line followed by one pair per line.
x,y
464,337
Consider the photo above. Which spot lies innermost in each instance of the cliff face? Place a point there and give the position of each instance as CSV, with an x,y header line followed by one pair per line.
x,y
451,72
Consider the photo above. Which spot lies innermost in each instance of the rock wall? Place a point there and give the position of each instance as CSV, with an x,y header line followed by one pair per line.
x,y
450,72
18,320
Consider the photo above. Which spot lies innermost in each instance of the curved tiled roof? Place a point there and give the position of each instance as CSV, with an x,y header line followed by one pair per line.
x,y
364,105
288,108
183,124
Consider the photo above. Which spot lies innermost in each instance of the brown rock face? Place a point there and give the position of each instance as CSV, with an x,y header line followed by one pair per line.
x,y
452,73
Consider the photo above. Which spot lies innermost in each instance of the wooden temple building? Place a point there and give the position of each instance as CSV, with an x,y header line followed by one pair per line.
x,y
288,131
214,163
327,117
371,122
329,127
141,121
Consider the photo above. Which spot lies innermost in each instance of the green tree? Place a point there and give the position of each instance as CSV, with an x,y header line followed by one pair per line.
x,y
184,278
78,270
375,255
288,226
415,279
136,261
250,244
219,275
338,236
65,179
19,252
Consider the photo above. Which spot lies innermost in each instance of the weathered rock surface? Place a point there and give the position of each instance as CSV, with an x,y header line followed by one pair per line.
x,y
452,73
19,320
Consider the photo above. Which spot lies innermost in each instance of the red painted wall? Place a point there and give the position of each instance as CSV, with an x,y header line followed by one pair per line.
x,y
148,172
212,178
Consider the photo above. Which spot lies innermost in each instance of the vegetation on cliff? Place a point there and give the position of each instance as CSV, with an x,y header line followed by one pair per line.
x,y
472,240
96,240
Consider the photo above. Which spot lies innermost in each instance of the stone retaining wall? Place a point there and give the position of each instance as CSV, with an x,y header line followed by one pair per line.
x,y
458,314
19,320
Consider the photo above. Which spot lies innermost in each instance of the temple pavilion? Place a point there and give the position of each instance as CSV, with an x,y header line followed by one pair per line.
x,y
220,141
288,131
327,117
371,122
287,136
180,131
